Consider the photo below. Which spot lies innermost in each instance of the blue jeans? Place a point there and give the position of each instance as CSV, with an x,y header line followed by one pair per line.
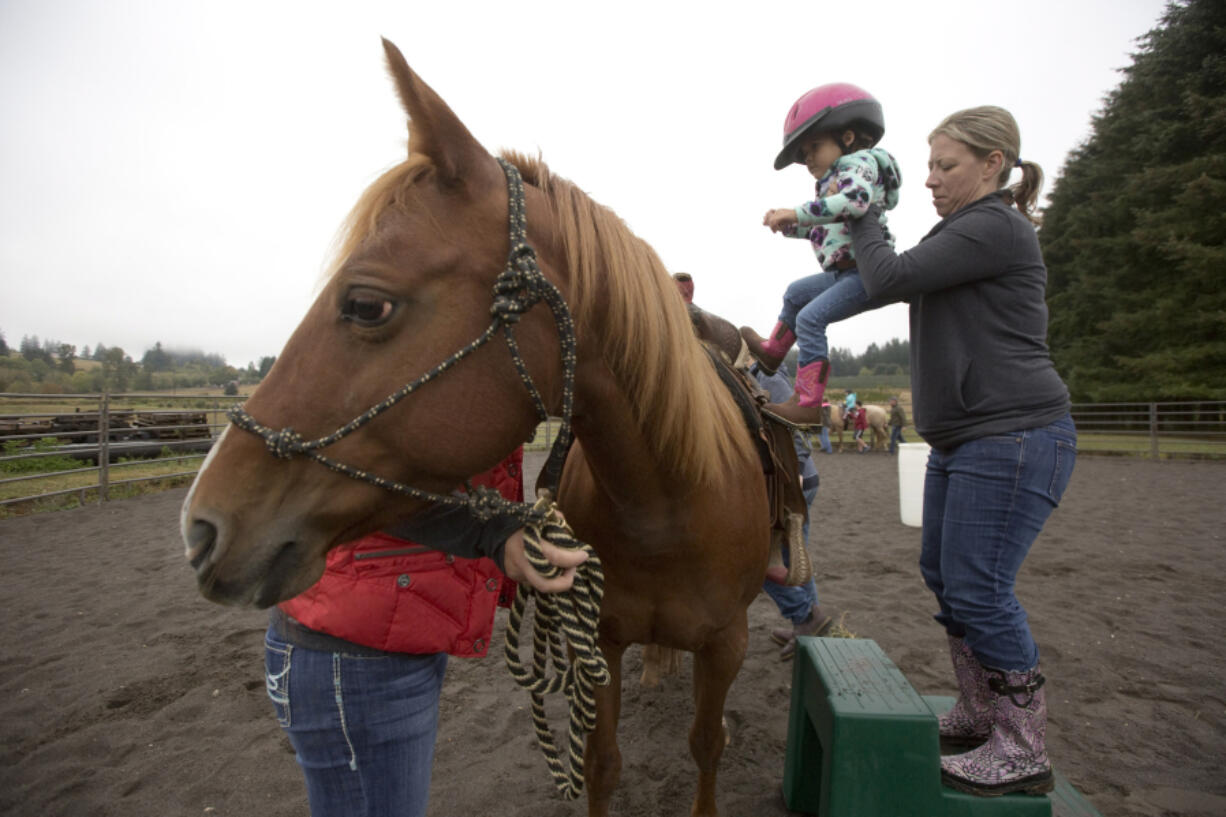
x,y
794,603
984,504
362,727
895,438
824,437
811,303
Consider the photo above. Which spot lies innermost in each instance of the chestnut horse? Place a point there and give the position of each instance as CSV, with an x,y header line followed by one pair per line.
x,y
663,479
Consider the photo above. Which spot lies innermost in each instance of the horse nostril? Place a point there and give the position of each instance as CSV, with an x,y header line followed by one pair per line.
x,y
201,537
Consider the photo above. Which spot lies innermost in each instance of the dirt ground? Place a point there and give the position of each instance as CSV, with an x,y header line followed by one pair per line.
x,y
122,692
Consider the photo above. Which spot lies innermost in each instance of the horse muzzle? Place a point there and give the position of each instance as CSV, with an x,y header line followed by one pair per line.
x,y
267,574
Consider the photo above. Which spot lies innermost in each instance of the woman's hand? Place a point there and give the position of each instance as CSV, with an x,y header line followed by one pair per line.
x,y
517,566
779,219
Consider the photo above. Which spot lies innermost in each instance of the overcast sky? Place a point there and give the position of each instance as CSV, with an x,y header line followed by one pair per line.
x,y
176,171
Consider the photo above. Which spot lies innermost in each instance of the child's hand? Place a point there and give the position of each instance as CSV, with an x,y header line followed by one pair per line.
x,y
779,219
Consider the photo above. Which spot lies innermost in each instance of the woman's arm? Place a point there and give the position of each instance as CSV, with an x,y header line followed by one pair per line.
x,y
970,248
452,529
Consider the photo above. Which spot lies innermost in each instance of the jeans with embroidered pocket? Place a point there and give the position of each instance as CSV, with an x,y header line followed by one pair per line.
x,y
362,726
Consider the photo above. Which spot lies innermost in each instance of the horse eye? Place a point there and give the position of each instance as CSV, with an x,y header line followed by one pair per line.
x,y
367,309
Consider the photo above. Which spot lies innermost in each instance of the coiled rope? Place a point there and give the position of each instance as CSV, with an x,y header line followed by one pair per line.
x,y
561,619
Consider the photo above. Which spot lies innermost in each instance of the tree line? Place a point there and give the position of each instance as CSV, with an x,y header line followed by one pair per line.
x,y
52,367
1134,234
891,357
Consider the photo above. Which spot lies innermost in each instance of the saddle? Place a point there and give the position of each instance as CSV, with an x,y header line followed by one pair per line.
x,y
773,439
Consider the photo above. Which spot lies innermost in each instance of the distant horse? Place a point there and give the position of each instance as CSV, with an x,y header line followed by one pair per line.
x,y
663,480
878,423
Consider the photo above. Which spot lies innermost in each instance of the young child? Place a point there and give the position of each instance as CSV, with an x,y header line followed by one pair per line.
x,y
861,427
832,130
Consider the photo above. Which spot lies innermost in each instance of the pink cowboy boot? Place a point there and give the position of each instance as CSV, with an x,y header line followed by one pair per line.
x,y
969,722
1014,757
769,351
804,408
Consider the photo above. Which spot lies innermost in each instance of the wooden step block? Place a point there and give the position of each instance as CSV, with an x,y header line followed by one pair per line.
x,y
863,743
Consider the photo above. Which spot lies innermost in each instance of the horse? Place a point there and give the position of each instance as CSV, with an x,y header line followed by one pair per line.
x,y
878,424
663,479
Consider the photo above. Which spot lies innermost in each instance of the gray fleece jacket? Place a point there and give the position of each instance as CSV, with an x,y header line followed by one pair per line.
x,y
976,285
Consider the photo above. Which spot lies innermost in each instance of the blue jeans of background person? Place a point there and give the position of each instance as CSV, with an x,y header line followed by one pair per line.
x,y
824,437
362,727
815,301
985,502
795,603
895,438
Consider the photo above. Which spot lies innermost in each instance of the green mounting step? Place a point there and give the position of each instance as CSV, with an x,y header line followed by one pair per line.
x,y
863,743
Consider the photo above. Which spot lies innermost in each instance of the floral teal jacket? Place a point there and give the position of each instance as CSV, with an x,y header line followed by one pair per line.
x,y
855,182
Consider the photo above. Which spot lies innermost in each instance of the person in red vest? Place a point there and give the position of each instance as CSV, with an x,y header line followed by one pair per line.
x,y
354,665
861,426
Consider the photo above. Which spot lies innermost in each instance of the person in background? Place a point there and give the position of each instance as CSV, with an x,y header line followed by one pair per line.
x,y
824,432
354,665
799,604
987,398
898,419
860,420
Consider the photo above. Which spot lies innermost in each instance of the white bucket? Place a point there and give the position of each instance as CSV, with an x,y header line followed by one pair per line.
x,y
912,464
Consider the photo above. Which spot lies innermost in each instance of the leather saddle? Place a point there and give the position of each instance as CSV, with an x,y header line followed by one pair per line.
x,y
780,465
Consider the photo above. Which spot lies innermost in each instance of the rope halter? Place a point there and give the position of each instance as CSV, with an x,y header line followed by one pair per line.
x,y
561,619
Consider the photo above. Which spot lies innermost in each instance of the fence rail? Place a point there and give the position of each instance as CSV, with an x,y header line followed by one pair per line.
x,y
164,437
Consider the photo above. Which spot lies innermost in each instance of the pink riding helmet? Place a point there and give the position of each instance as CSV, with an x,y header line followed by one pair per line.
x,y
836,106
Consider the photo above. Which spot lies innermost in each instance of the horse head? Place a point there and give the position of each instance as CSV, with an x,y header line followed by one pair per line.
x,y
411,285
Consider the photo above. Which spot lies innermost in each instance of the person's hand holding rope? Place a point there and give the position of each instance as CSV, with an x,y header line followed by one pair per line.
x,y
518,567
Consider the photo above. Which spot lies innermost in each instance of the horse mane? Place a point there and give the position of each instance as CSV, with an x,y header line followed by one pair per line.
x,y
618,281
391,189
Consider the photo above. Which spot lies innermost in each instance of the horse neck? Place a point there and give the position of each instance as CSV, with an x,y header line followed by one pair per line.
x,y
618,452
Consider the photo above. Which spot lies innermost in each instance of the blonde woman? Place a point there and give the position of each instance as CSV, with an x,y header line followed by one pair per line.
x,y
989,401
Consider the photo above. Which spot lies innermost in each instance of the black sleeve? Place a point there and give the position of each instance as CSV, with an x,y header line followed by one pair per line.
x,y
966,249
453,529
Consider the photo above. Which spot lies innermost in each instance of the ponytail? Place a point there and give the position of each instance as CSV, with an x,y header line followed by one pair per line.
x,y
1026,192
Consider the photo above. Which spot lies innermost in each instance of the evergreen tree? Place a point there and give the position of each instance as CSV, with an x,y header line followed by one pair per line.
x,y
156,359
1135,232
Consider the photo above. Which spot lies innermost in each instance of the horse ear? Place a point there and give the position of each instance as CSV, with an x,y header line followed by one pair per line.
x,y
434,129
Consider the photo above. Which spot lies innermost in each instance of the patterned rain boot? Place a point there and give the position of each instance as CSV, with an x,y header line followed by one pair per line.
x,y
1014,757
804,408
969,722
769,352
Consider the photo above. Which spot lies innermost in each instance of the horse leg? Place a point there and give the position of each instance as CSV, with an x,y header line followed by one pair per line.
x,y
715,667
602,759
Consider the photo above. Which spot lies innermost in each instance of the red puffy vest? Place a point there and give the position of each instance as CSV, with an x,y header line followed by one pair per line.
x,y
398,596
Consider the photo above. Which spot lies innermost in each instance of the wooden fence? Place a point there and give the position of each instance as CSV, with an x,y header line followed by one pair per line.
x,y
125,440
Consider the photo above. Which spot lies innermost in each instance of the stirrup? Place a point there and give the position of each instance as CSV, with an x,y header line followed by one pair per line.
x,y
800,568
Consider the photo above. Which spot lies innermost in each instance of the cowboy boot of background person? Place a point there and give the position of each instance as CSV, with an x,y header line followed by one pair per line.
x,y
804,407
817,624
969,722
771,351
1014,757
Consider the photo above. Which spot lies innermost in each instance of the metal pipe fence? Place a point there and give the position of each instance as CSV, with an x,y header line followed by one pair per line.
x,y
164,437
140,437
